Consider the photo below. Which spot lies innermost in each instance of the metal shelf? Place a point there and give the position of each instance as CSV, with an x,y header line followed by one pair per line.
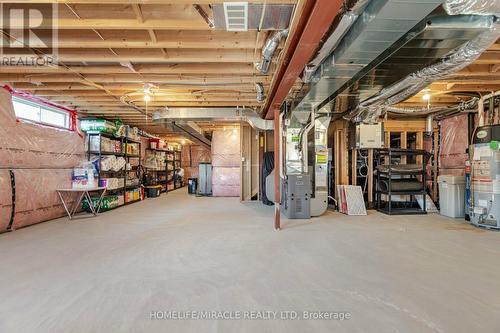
x,y
131,202
132,140
93,152
124,174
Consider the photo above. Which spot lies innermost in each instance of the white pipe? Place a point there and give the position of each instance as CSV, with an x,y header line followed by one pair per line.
x,y
305,155
282,156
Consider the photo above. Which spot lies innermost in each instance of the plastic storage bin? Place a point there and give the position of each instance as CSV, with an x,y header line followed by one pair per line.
x,y
192,185
152,191
452,195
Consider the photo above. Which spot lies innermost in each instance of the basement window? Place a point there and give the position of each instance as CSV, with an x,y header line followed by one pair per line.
x,y
39,113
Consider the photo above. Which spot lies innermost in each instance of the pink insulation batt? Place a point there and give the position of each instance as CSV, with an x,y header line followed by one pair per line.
x,y
192,156
226,159
453,144
42,159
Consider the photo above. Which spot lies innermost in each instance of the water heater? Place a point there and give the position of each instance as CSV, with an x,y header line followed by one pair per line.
x,y
484,201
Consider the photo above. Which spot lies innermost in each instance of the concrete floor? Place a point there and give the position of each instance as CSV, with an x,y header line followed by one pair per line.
x,y
177,253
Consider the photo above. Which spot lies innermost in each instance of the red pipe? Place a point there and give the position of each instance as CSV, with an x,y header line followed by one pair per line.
x,y
322,15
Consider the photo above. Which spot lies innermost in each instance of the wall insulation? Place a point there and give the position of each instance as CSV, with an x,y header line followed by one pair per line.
x,y
191,157
41,160
453,144
226,161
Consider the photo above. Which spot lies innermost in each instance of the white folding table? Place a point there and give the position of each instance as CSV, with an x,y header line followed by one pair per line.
x,y
82,193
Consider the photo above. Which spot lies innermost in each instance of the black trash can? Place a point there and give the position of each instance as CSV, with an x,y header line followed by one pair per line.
x,y
192,185
152,191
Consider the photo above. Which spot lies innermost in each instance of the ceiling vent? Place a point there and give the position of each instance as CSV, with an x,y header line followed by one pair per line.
x,y
236,15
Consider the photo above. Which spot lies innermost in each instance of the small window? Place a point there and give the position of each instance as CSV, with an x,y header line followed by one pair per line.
x,y
40,113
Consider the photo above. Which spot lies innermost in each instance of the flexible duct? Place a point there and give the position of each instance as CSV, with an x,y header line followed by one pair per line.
x,y
476,7
269,49
370,109
468,105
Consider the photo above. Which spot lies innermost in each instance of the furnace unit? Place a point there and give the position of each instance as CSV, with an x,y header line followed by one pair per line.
x,y
296,203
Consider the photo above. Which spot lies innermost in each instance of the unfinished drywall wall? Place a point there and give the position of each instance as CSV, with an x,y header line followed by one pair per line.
x,y
226,161
192,156
453,143
41,160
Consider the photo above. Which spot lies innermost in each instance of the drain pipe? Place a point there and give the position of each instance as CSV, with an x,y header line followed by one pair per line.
x,y
269,49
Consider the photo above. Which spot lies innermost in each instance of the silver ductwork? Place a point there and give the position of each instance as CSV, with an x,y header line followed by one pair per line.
x,y
188,129
476,7
213,114
379,26
330,44
260,92
370,109
269,49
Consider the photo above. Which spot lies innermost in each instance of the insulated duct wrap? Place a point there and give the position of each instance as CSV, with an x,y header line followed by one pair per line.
x,y
373,107
476,7
436,110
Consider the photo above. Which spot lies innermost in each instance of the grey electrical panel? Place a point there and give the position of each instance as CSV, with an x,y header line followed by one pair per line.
x,y
205,179
367,136
297,197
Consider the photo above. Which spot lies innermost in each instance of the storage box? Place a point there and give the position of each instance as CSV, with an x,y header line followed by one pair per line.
x,y
83,178
452,195
108,202
153,143
97,125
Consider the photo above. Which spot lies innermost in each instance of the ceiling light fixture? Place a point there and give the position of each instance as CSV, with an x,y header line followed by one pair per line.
x,y
147,98
426,97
